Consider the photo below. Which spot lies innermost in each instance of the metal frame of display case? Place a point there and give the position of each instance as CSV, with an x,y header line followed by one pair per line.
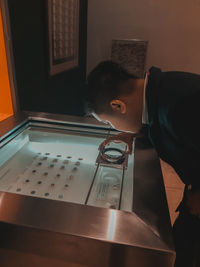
x,y
55,233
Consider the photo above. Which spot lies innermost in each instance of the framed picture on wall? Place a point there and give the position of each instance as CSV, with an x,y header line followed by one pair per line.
x,y
63,35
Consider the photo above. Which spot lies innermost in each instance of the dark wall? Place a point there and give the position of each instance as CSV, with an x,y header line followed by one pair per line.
x,y
38,91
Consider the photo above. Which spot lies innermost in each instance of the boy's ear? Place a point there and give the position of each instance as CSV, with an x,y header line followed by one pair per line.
x,y
118,106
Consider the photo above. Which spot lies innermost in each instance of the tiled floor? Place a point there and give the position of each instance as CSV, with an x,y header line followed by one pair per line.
x,y
174,189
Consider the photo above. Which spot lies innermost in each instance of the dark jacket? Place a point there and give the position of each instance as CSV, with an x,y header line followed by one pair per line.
x,y
173,103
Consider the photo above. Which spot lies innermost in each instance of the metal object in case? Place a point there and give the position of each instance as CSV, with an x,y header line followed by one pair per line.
x,y
113,157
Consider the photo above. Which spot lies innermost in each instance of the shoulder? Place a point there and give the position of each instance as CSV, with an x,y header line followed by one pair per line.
x,y
173,85
172,94
180,77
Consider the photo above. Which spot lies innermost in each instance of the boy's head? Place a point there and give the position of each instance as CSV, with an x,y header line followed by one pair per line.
x,y
114,95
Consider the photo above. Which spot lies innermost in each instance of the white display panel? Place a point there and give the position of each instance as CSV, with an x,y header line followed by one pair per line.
x,y
62,167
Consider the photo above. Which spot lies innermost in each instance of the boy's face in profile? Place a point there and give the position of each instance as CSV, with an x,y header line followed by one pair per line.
x,y
122,122
115,122
124,111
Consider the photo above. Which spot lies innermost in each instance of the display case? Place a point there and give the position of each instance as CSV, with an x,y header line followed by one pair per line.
x,y
57,165
63,204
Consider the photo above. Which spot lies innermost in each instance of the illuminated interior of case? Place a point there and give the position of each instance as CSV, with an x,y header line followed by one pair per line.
x,y
62,167
6,107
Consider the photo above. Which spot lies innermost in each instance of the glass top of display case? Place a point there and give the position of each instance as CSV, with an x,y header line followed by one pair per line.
x,y
62,166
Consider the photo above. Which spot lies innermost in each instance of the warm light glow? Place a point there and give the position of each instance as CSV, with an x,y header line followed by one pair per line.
x,y
112,225
6,107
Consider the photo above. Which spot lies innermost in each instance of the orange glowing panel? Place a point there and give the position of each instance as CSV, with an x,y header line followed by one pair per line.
x,y
6,106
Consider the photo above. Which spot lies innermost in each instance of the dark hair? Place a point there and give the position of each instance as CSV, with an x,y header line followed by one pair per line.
x,y
104,84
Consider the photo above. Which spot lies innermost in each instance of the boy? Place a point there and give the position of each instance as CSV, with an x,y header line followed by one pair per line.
x,y
168,105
